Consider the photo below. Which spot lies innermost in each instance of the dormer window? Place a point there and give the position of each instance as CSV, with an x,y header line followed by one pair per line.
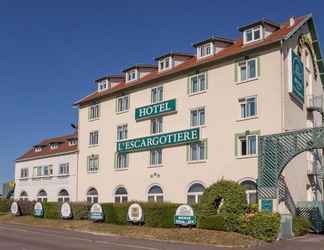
x,y
38,149
253,34
132,75
103,85
205,50
165,63
73,142
54,146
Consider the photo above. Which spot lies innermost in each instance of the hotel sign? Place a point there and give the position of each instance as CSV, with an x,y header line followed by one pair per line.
x,y
296,81
161,140
155,109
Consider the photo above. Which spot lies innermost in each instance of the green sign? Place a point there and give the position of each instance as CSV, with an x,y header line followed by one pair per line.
x,y
185,220
155,109
161,140
297,77
266,205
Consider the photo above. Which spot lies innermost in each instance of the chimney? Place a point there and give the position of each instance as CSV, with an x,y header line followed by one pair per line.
x,y
291,21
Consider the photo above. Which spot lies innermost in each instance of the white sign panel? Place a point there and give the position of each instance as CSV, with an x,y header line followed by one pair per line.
x,y
14,208
135,213
66,210
96,212
185,216
38,209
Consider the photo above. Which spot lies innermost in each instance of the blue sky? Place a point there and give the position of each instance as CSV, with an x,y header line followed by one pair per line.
x,y
52,51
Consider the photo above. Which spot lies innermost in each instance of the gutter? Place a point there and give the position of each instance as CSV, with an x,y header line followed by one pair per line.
x,y
46,156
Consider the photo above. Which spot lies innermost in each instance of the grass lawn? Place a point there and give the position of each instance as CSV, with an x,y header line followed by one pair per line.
x,y
175,234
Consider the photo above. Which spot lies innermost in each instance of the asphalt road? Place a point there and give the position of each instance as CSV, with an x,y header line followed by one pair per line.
x,y
21,237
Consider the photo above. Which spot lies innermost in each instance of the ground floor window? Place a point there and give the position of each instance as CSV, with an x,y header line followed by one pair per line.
x,y
23,196
251,191
194,193
155,194
63,196
42,196
92,195
121,195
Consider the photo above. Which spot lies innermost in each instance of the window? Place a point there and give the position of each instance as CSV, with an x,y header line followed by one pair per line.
x,y
156,157
93,163
63,196
247,145
157,94
38,149
122,132
155,194
47,170
24,173
205,50
43,171
64,169
54,146
92,196
103,85
248,69
164,63
23,196
194,193
198,83
131,75
197,117
122,161
73,142
253,34
94,138
42,196
156,125
198,151
94,112
122,104
248,107
121,195
251,191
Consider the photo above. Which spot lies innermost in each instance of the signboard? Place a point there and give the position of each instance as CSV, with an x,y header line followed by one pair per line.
x,y
296,77
161,140
14,209
135,213
38,209
266,205
66,211
157,109
96,212
185,216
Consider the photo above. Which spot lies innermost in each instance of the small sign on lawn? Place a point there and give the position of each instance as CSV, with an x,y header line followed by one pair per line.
x,y
135,213
38,209
66,211
14,209
185,216
96,212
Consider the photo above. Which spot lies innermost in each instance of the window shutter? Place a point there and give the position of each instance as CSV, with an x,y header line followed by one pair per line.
x,y
206,77
116,105
235,144
206,149
258,66
115,160
188,152
236,71
188,85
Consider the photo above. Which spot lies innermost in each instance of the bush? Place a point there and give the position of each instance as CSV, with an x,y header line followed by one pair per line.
x,y
4,206
159,214
301,225
262,226
230,193
26,207
52,210
115,213
80,210
214,222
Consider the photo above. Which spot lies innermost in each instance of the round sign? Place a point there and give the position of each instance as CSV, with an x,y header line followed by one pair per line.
x,y
14,208
185,216
184,210
96,212
135,213
38,209
66,210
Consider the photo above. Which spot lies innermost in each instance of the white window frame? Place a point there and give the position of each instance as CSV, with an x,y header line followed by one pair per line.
x,y
253,30
103,85
197,195
245,64
39,171
157,94
202,51
23,197
248,149
64,169
63,198
165,63
93,163
123,105
54,146
199,145
245,102
120,198
155,197
157,123
94,138
199,110
122,132
132,75
122,161
199,83
24,173
94,112
156,157
92,198
42,198
73,142
38,149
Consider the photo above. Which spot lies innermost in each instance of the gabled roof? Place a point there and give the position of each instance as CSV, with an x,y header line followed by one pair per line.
x,y
213,39
111,77
230,52
173,54
259,22
140,66
63,148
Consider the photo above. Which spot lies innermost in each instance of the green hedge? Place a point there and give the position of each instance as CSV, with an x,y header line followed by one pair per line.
x,y
115,213
4,206
301,225
80,210
159,214
51,210
26,207
214,222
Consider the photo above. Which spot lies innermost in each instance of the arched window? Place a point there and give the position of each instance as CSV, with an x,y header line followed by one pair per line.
x,y
121,195
155,194
194,193
23,196
63,196
250,190
92,195
42,196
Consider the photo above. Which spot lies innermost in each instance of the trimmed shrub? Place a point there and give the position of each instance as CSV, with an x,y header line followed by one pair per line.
x,y
80,210
233,222
115,213
159,214
301,225
26,207
223,197
214,222
52,210
4,206
262,226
